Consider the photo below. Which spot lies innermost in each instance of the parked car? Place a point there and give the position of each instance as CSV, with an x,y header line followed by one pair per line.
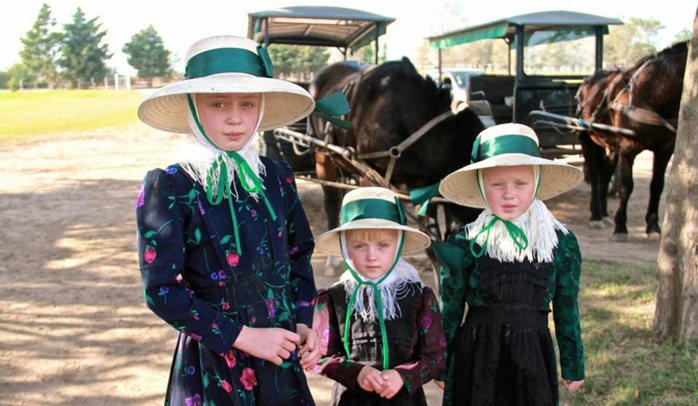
x,y
459,81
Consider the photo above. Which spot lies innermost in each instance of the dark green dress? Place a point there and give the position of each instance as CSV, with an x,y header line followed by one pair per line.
x,y
503,353
195,280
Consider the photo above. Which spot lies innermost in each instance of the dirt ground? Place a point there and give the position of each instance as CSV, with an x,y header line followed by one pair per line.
x,y
74,329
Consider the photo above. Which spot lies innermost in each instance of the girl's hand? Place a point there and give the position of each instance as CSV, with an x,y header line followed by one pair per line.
x,y
370,379
271,344
571,385
440,384
309,346
392,383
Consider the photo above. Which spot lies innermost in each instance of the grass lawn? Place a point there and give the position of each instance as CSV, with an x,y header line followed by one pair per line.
x,y
624,365
27,113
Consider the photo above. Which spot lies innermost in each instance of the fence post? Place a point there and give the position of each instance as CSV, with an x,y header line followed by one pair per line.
x,y
106,82
116,81
128,82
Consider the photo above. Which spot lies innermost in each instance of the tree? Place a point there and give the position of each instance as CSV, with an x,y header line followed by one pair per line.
x,y
19,76
41,46
676,313
629,42
83,55
297,59
147,55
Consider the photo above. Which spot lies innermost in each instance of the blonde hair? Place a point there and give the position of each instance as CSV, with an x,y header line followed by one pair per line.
x,y
370,234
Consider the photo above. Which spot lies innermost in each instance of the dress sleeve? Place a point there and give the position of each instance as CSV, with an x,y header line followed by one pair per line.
x,y
301,246
568,331
429,357
334,363
162,254
455,262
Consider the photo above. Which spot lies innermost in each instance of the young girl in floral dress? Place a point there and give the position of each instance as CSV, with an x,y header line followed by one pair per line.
x,y
224,244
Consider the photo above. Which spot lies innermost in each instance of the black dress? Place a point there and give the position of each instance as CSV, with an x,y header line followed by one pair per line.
x,y
417,347
503,354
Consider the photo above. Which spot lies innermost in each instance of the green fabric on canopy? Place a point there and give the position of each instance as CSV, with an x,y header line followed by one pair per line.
x,y
506,27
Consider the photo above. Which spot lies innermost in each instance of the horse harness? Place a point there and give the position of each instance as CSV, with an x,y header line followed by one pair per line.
x,y
394,152
640,114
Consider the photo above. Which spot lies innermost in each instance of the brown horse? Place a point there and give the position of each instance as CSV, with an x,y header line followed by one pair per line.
x,y
644,99
403,129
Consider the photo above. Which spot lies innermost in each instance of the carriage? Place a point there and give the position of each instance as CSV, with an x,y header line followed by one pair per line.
x,y
531,91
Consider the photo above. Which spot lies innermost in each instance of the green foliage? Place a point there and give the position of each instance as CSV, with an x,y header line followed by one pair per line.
x,y
629,42
82,53
147,54
31,113
41,46
683,35
19,77
292,60
624,364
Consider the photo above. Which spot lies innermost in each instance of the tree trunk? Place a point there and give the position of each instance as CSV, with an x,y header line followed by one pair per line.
x,y
676,313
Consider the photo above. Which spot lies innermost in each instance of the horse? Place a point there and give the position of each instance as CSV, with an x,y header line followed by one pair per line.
x,y
403,130
598,147
643,99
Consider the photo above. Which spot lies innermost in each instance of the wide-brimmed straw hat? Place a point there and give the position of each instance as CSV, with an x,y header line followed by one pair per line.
x,y
507,145
372,208
226,64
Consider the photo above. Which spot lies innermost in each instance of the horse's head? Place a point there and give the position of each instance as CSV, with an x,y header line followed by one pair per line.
x,y
592,95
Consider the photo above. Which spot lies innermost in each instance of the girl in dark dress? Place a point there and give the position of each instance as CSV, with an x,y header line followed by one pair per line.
x,y
224,244
509,266
381,327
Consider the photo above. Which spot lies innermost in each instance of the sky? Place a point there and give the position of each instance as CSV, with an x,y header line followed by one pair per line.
x,y
180,26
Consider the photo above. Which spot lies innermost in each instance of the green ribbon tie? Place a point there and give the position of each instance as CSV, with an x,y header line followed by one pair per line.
x,y
379,306
423,196
514,231
224,188
332,107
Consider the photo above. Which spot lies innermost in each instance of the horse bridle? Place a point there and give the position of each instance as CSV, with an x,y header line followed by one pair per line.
x,y
395,151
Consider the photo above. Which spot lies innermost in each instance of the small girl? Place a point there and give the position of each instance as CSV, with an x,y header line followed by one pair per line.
x,y
224,244
509,265
381,327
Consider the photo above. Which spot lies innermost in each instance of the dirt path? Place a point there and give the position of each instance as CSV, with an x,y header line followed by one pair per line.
x,y
74,327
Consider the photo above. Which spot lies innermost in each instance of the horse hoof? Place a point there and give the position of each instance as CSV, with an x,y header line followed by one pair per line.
x,y
597,224
333,266
608,221
619,237
654,236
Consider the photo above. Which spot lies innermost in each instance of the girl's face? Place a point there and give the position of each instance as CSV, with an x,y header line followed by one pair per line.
x,y
509,190
229,119
372,254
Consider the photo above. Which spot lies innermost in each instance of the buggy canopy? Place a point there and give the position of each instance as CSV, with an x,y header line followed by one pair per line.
x,y
340,27
584,24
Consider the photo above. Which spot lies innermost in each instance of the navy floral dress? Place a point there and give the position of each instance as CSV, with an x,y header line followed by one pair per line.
x,y
195,280
417,346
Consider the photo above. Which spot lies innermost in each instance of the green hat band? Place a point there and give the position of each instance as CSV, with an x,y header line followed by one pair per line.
x,y
504,144
373,209
229,60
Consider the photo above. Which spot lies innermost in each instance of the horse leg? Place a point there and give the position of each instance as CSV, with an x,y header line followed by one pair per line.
x,y
609,169
625,189
659,164
325,170
593,160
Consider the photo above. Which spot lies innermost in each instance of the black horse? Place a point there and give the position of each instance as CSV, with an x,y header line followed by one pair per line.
x,y
392,105
645,99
